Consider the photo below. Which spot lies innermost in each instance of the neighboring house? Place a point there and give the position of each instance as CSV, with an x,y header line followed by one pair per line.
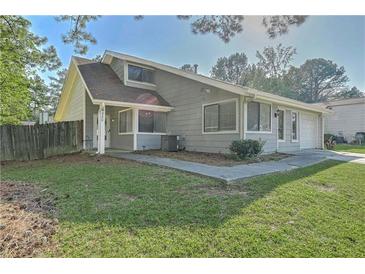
x,y
140,100
347,117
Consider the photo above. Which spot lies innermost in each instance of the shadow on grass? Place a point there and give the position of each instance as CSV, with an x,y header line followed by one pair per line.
x,y
142,196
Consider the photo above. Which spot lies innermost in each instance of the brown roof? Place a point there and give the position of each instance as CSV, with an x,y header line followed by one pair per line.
x,y
104,84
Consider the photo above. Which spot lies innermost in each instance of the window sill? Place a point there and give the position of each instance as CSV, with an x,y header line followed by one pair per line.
x,y
152,133
138,84
259,132
125,133
221,132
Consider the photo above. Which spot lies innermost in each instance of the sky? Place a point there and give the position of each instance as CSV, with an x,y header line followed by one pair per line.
x,y
167,40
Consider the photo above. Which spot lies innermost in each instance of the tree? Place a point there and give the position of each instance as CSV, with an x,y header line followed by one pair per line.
x,y
77,34
274,61
188,68
55,88
279,24
317,80
354,92
256,77
22,56
224,26
230,69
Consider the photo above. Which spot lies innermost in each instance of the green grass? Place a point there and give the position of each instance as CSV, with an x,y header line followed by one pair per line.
x,y
350,148
131,210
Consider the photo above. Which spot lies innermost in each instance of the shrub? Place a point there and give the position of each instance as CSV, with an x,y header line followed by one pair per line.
x,y
327,136
246,148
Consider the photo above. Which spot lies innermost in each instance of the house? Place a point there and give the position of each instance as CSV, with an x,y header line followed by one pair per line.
x,y
138,100
347,117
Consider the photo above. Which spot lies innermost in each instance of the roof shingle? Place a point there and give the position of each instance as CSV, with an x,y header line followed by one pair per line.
x,y
104,84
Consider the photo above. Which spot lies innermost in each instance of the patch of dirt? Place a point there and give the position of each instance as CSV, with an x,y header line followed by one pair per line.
x,y
220,190
118,199
83,157
216,159
26,225
323,187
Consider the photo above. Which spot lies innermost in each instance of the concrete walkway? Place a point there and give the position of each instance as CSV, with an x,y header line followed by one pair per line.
x,y
229,174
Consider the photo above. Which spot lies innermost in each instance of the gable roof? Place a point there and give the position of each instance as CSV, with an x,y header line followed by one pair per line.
x,y
343,102
104,84
241,90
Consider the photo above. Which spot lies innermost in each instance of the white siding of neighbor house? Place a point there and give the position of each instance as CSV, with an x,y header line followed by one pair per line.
x,y
346,120
75,107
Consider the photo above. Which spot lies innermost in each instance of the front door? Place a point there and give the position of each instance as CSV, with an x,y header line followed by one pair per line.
x,y
95,130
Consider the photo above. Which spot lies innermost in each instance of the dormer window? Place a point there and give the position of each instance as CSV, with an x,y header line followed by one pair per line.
x,y
140,74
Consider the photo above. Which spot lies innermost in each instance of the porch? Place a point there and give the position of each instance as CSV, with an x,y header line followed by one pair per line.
x,y
124,127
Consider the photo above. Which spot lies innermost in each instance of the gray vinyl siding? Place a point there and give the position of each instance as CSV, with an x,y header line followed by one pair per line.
x,y
289,145
270,139
75,106
346,120
118,66
187,97
116,140
90,110
148,141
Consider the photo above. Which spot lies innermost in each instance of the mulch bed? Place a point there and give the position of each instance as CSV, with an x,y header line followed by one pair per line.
x,y
26,222
215,159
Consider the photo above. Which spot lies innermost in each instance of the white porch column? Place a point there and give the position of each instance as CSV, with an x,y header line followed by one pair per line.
x,y
244,118
101,129
135,127
322,131
241,118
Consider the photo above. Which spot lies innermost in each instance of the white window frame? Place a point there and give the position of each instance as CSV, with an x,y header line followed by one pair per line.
x,y
225,131
135,83
291,122
149,133
271,114
129,132
284,127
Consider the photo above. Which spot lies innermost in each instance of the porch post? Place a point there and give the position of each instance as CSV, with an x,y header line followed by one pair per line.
x,y
101,129
241,117
322,131
244,118
135,128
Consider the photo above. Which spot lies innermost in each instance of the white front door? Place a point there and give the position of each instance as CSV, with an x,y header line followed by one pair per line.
x,y
308,130
95,130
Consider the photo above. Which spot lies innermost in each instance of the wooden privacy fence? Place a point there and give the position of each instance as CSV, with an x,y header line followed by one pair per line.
x,y
40,141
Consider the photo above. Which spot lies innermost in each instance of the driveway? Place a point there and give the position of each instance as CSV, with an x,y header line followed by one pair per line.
x,y
233,173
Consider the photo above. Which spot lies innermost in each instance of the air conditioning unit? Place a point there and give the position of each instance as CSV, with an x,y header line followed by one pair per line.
x,y
169,142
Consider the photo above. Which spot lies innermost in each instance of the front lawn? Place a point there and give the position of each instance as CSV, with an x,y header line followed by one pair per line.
x,y
115,208
350,148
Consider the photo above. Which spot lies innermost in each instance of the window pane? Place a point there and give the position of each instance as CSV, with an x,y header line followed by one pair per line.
x,y
265,117
294,126
281,125
211,118
253,116
125,121
147,76
227,116
140,74
134,73
159,122
145,122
